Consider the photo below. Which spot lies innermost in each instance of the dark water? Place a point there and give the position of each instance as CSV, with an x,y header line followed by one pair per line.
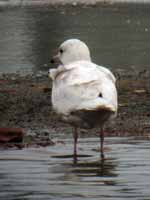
x,y
49,173
118,36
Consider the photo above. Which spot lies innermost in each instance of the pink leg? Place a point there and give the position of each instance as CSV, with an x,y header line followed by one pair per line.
x,y
75,137
102,142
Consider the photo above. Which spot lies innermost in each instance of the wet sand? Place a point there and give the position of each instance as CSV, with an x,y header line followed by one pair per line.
x,y
25,102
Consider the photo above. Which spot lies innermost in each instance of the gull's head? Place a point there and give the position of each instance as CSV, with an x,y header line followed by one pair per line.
x,y
72,50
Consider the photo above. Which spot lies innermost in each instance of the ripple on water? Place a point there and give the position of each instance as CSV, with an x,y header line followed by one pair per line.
x,y
49,173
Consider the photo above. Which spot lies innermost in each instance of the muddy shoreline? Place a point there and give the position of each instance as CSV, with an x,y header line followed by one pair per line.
x,y
25,102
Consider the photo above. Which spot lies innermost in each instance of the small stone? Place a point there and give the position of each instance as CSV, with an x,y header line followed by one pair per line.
x,y
46,90
140,91
74,4
9,91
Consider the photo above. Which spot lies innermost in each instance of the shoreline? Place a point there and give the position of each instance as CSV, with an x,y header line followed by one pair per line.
x,y
73,3
25,102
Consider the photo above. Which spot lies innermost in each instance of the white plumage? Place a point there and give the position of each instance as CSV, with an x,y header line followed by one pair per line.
x,y
78,85
81,88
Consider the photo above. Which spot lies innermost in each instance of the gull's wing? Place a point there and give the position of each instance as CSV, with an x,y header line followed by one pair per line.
x,y
84,85
108,73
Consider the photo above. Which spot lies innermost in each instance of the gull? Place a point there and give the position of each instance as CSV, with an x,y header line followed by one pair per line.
x,y
84,94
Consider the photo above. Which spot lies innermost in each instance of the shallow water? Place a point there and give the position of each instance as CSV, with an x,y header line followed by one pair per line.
x,y
118,35
49,173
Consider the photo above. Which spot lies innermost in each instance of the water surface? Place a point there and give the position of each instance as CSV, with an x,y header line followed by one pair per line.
x,y
118,35
49,173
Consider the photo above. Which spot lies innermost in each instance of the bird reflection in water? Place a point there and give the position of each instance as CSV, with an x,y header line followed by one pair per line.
x,y
94,172
100,168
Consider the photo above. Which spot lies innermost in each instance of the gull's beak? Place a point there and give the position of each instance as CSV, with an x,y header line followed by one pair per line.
x,y
55,59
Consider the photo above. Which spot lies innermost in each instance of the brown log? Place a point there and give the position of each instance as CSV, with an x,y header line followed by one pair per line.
x,y
11,135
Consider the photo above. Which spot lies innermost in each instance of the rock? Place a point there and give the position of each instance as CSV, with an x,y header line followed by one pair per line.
x,y
46,90
2,81
74,4
139,91
9,91
11,135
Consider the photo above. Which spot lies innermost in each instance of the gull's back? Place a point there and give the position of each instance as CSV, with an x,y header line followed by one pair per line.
x,y
83,89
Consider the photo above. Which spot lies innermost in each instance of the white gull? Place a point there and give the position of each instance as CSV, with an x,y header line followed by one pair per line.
x,y
83,93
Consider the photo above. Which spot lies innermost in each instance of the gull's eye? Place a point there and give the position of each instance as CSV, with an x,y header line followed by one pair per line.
x,y
61,51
